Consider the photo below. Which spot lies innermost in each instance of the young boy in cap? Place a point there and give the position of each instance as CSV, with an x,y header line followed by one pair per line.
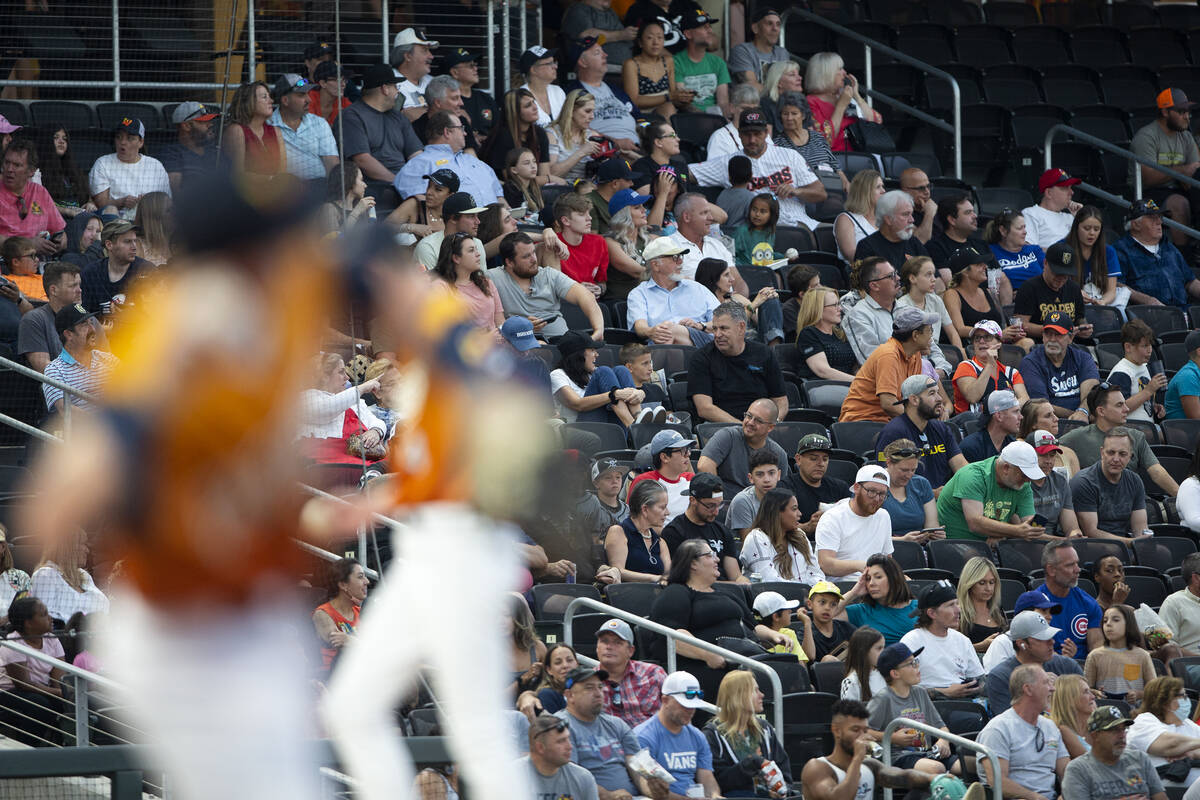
x,y
118,180
829,633
599,510
1111,770
776,613
904,698
670,454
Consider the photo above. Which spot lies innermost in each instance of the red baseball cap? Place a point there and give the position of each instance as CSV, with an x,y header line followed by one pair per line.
x,y
1055,177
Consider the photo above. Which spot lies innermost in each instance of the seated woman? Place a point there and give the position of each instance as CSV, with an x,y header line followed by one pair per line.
x,y
346,201
571,139
1038,415
782,78
31,691
1019,259
625,240
587,393
460,268
1163,728
661,143
422,216
519,127
881,598
821,347
526,649
831,93
255,147
775,547
336,619
331,413
981,619
13,581
797,131
1098,270
742,740
649,77
155,226
857,221
558,663
62,177
690,604
1070,706
634,547
910,502
62,583
764,312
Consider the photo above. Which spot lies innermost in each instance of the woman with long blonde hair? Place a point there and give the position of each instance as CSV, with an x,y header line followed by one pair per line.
x,y
821,347
1070,706
982,619
739,732
62,581
857,221
570,137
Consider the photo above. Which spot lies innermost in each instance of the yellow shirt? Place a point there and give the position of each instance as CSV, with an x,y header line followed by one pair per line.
x,y
793,645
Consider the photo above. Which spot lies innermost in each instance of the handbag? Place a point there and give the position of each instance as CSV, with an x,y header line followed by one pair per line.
x,y
869,137
354,446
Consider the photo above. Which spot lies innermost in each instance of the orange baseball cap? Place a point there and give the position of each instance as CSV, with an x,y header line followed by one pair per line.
x,y
1173,98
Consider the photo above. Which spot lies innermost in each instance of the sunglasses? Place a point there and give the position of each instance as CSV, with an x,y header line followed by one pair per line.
x,y
690,694
908,452
559,727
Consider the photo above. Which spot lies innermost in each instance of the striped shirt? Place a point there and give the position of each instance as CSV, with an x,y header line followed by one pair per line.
x,y
306,145
90,379
777,166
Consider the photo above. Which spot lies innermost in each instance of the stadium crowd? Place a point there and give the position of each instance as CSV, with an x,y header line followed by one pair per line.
x,y
983,426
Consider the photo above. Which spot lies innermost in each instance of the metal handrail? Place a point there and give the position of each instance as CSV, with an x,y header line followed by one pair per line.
x,y
30,430
672,637
1128,155
870,45
901,722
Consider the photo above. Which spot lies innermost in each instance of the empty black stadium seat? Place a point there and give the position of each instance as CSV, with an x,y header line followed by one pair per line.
x,y
1180,76
955,12
1070,14
940,97
994,198
895,163
1110,123
983,45
895,12
1041,46
1070,92
985,135
1128,92
61,113
1010,14
803,38
15,112
1078,159
854,163
1098,46
1010,92
1155,47
928,41
1131,15
696,128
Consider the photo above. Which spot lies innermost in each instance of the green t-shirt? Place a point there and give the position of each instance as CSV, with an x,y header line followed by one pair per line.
x,y
977,481
702,78
744,242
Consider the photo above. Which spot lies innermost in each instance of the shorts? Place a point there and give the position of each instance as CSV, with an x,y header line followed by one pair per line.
x,y
909,758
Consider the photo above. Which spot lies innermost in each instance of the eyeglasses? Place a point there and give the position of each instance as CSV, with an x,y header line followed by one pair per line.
x,y
34,256
690,694
913,662
455,127
675,450
559,727
669,136
878,494
756,420
891,276
831,305
924,188
711,505
706,554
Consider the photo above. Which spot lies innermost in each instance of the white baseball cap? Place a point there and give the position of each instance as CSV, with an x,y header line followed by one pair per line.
x,y
873,473
412,36
769,603
663,246
684,687
1022,455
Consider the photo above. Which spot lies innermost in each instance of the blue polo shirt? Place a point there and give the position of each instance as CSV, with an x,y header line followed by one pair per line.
x,y
937,444
306,145
1059,385
475,177
688,300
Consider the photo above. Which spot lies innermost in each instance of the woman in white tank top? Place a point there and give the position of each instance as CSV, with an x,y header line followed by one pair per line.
x,y
857,222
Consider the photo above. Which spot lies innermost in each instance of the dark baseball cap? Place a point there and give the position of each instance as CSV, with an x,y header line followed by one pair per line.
x,y
582,674
894,656
460,203
1035,599
814,441
1173,98
1060,258
459,55
131,125
696,18
967,255
535,54
444,178
752,118
1059,321
378,75
576,342
763,13
320,47
614,169
70,316
327,70
1192,342
933,596
705,486
580,46
1144,208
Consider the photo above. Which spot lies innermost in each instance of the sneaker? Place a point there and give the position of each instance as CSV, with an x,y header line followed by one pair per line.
x,y
645,415
660,415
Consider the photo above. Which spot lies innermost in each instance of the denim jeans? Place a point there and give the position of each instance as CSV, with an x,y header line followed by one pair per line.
x,y
770,320
603,380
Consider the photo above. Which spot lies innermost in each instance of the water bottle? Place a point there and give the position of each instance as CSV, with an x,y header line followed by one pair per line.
x,y
1156,368
772,777
371,212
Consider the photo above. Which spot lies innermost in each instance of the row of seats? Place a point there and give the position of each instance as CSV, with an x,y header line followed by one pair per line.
x,y
1012,13
80,116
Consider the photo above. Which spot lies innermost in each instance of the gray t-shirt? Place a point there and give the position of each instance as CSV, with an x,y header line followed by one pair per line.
x,y
997,680
1132,777
601,748
1092,491
1088,441
886,706
736,203
743,509
582,16
728,448
1017,742
36,333
614,115
386,135
547,291
570,782
595,518
747,58
1051,498
1167,149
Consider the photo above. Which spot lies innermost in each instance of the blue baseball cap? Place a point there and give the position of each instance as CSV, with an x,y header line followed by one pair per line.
x,y
1035,599
626,198
518,331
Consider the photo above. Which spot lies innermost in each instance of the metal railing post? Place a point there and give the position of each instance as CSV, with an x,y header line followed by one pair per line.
x,y
250,33
82,737
673,636
491,46
524,27
505,41
116,52
960,742
868,67
386,39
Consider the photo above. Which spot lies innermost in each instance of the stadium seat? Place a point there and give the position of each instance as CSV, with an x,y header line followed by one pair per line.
x,y
993,199
911,555
1102,121
1162,552
788,434
1162,319
984,130
696,127
1179,16
67,114
828,675
707,430
1131,15
1092,550
1154,47
636,598
1181,76
793,674
955,12
1077,158
804,39
1174,355
1010,92
857,436
111,114
612,436
1041,46
940,97
953,554
1010,590
894,12
854,163
15,112
550,600
1098,46
1011,14
928,41
1023,556
983,45
787,236
642,432
1070,92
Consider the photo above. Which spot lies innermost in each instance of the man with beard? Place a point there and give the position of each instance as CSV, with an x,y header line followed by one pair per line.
x,y
1110,770
675,743
307,138
1001,424
1168,141
854,530
1155,270
537,292
812,487
1059,371
1079,616
669,308
80,365
699,521
894,240
992,499
192,153
921,422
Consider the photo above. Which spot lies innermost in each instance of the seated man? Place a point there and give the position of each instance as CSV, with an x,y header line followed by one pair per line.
x,y
614,115
1181,610
612,176
118,180
1109,498
1154,268
1078,617
445,150
1110,411
1052,499
699,521
1001,424
600,509
1027,743
443,94
26,208
729,373
921,422
991,499
459,215
959,226
106,281
727,454
868,323
597,18
743,508
669,308
37,337
1033,645
193,152
875,391
551,772
632,689
1110,770
811,485
675,743
1183,391
378,137
1059,371
700,72
538,292
307,138
1132,374
915,183
894,240
950,667
748,61
80,365
856,529
1050,220
1052,291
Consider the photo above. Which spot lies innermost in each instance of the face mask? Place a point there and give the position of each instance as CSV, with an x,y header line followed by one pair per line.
x,y
1185,708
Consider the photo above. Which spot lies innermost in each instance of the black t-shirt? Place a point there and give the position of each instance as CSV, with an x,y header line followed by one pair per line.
x,y
177,158
483,111
645,169
719,538
1036,299
734,382
813,340
809,498
98,291
937,444
642,10
940,247
495,150
896,253
654,393
708,615
979,446
824,644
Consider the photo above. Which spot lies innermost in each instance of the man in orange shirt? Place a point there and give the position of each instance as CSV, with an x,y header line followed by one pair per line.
x,y
328,97
875,390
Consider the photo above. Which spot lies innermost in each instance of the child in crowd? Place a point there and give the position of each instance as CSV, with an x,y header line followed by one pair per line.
x,y
776,613
599,510
830,635
1122,667
763,477
754,240
640,362
862,680
520,180
737,198
21,266
903,697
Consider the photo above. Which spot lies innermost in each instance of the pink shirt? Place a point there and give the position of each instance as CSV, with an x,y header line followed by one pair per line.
x,y
484,308
39,671
41,213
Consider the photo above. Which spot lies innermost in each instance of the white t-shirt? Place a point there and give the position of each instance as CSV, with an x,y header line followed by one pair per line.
x,y
1044,228
1139,377
124,180
557,97
413,93
711,247
947,660
1001,649
850,685
1188,503
1146,728
48,585
851,537
758,555
724,141
559,380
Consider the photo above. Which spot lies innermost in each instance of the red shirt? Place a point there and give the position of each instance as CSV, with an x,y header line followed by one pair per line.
x,y
40,212
314,105
588,261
